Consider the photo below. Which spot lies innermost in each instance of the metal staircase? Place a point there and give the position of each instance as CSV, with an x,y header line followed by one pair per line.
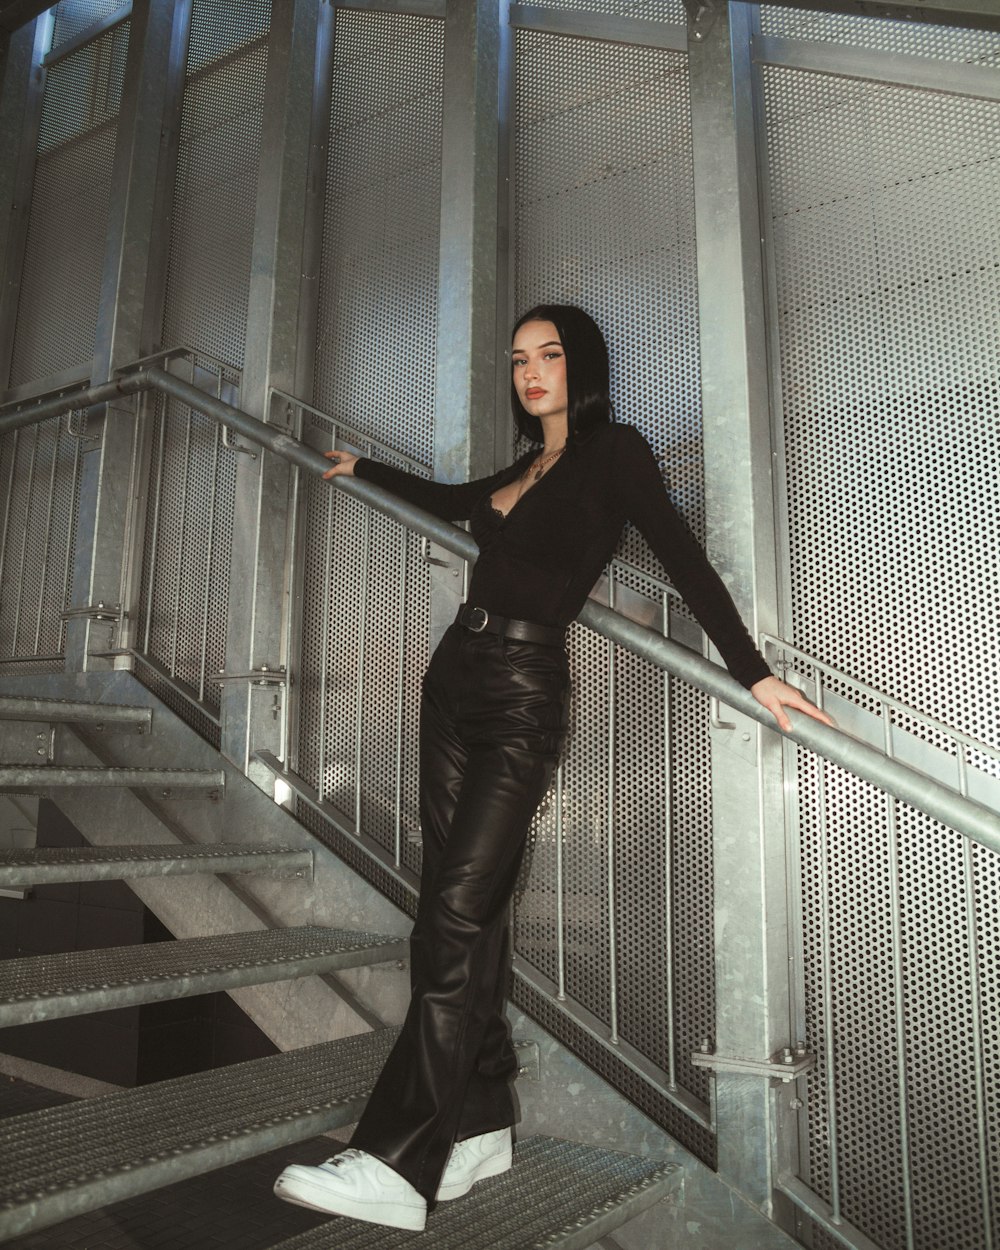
x,y
66,1160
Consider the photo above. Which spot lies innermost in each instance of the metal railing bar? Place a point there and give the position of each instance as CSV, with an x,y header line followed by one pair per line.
x,y
809,1202
45,549
24,546
397,797
68,562
179,570
209,550
324,662
164,675
155,537
560,888
668,860
15,447
975,1013
611,879
967,816
359,710
28,411
351,434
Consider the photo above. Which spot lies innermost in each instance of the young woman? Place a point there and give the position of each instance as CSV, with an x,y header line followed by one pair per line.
x,y
493,721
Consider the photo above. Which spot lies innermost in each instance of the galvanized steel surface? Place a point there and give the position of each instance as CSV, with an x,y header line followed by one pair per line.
x,y
885,243
44,865
47,987
558,1195
44,776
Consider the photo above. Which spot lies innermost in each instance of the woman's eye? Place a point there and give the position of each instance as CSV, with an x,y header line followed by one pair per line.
x,y
518,363
553,355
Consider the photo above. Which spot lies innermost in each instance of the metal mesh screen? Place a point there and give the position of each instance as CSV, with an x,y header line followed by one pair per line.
x,y
605,218
186,558
946,43
65,246
215,193
366,625
40,478
649,10
72,17
885,244
379,275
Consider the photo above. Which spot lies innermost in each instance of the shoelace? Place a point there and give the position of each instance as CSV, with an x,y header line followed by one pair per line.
x,y
345,1156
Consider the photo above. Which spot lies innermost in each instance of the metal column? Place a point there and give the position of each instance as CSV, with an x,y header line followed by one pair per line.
x,y
153,81
23,89
280,343
750,906
464,417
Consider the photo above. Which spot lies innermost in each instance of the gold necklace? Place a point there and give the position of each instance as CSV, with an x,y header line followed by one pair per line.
x,y
539,467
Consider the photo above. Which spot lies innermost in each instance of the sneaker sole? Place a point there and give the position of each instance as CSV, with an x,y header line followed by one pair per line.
x,y
301,1191
495,1165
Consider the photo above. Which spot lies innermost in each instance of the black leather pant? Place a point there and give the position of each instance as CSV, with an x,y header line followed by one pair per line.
x,y
493,722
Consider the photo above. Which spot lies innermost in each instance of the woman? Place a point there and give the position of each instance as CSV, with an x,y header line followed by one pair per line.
x,y
493,721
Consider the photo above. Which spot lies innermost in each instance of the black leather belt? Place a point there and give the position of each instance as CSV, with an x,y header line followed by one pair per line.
x,y
479,621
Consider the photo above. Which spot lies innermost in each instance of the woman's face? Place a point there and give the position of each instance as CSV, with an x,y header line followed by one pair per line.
x,y
539,365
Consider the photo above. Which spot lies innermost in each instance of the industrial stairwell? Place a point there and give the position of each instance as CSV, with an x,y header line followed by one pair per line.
x,y
207,851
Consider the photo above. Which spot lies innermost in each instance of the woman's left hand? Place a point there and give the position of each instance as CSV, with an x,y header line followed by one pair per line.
x,y
776,695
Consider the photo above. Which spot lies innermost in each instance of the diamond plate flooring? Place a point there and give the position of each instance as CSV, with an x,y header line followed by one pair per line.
x,y
232,1207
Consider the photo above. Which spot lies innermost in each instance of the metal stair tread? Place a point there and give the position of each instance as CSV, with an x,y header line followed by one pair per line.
x,y
26,866
559,1195
72,711
44,987
81,1155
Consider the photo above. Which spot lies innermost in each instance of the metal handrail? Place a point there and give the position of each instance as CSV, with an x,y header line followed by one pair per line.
x,y
971,819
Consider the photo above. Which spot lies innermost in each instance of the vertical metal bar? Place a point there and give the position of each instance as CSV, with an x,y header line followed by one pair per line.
x,y
155,536
397,802
68,563
612,931
899,1008
14,448
963,773
975,1009
180,543
324,660
560,886
826,975
668,892
213,493
359,714
24,540
45,542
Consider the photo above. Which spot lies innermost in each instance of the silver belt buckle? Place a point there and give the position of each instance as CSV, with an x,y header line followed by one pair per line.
x,y
480,625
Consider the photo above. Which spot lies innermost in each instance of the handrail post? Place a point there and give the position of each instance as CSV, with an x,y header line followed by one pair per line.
x,y
280,346
750,903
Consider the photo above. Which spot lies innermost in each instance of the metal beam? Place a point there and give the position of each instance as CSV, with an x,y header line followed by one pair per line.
x,y
976,13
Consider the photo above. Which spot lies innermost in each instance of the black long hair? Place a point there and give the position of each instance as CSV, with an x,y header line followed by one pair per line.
x,y
588,373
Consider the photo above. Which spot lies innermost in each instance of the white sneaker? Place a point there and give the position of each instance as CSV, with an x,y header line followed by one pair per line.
x,y
473,1160
357,1184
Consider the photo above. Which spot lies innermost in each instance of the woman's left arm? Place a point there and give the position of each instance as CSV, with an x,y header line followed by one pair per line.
x,y
682,556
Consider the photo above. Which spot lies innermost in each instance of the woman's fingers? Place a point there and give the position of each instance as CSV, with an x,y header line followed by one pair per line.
x,y
343,464
776,695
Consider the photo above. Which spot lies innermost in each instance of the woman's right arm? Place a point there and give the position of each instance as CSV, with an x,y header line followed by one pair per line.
x,y
450,503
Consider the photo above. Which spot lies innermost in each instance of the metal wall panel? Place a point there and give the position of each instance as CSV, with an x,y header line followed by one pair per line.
x,y
72,17
376,335
185,587
605,218
671,11
885,245
64,251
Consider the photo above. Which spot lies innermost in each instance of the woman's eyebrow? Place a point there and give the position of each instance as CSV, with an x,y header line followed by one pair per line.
x,y
521,350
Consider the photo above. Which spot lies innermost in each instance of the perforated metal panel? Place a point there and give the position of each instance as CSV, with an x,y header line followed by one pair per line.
x,y
376,343
605,218
72,17
947,43
215,192
366,624
64,251
648,10
885,243
39,486
185,578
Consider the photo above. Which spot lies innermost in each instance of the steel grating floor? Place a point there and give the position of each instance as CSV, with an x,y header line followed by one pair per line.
x,y
232,1208
558,1196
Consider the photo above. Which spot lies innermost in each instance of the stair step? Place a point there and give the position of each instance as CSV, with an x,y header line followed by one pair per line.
x,y
558,1195
50,865
76,1157
65,1160
69,711
48,776
46,987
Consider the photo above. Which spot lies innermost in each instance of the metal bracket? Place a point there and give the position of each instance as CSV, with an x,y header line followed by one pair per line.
x,y
94,611
784,1065
702,16
263,676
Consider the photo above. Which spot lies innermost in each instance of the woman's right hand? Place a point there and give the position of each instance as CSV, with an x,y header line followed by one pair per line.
x,y
343,464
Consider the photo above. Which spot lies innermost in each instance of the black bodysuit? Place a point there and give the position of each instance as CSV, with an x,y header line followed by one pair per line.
x,y
541,561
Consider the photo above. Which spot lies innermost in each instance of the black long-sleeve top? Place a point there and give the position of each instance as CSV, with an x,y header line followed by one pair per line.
x,y
541,561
